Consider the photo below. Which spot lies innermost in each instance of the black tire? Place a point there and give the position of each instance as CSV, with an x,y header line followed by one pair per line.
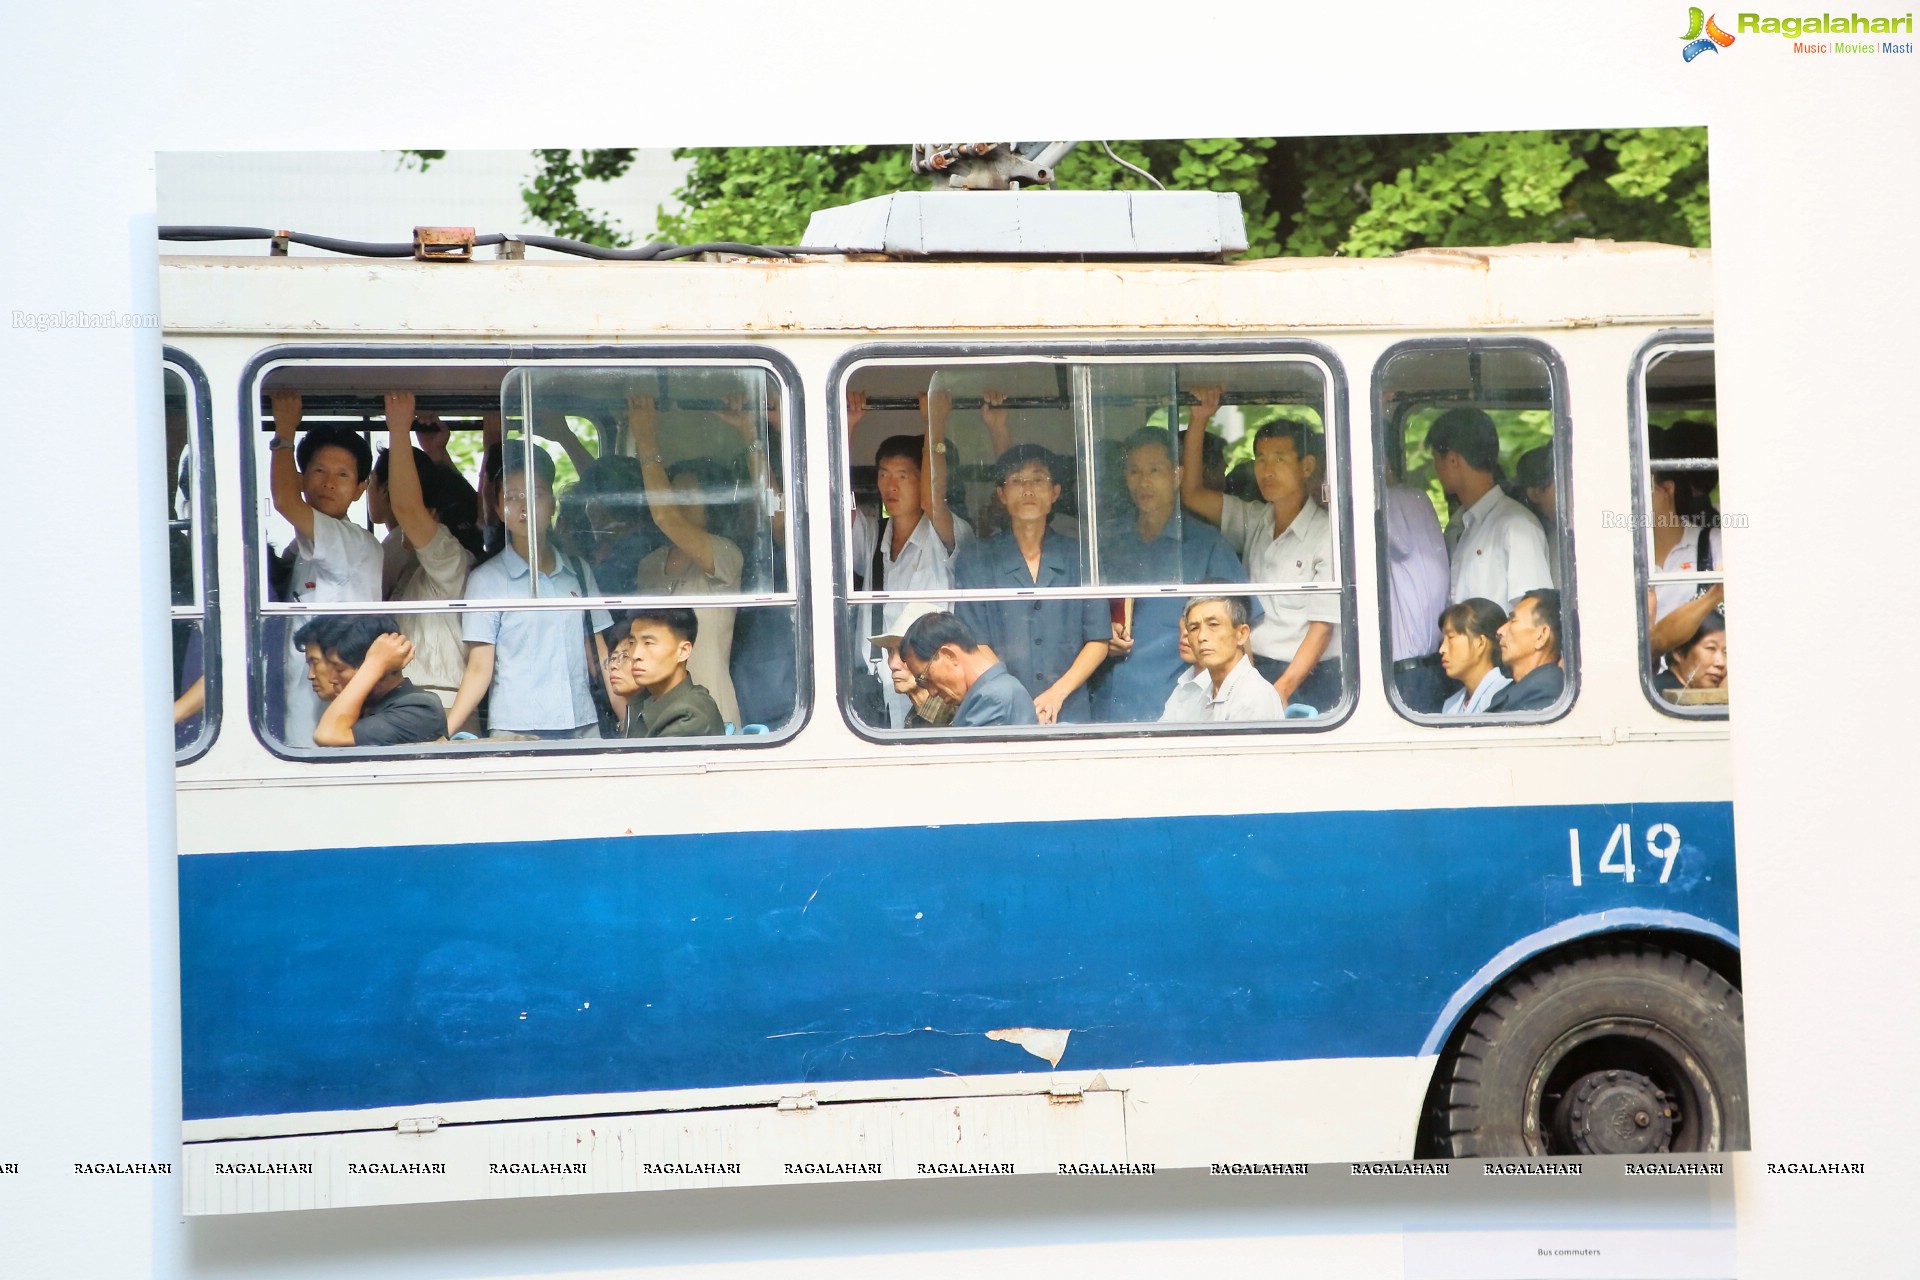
x,y
1612,1048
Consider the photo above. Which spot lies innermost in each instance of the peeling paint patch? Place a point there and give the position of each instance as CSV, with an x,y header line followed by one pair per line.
x,y
1042,1042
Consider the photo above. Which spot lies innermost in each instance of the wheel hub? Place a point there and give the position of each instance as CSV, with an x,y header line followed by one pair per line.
x,y
1616,1112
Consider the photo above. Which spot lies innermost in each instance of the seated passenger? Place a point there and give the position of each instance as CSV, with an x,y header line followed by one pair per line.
x,y
1050,644
1469,653
1219,633
1151,546
1288,537
535,661
1701,661
695,561
1187,704
354,664
620,682
925,708
943,656
333,559
671,705
1530,650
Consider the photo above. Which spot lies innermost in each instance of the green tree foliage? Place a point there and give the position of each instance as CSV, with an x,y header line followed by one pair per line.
x,y
1358,196
1305,197
763,195
552,194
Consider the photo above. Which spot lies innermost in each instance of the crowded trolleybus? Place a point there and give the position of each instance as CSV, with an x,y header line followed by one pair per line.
x,y
843,923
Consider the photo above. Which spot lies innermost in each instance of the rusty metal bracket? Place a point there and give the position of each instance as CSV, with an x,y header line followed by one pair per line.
x,y
443,244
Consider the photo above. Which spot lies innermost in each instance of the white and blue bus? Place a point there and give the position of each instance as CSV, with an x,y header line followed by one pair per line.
x,y
814,945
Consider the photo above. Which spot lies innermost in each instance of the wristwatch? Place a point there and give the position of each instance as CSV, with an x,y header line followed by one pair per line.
x,y
279,444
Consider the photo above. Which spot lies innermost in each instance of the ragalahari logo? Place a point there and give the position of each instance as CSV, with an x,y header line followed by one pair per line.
x,y
1712,41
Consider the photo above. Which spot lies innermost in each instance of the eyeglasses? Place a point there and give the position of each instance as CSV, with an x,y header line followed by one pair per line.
x,y
617,657
1028,483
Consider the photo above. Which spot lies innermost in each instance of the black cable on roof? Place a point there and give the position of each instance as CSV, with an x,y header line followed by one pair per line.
x,y
652,251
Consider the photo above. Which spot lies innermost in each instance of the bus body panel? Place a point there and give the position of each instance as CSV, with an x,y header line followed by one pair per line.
x,y
1256,945
519,969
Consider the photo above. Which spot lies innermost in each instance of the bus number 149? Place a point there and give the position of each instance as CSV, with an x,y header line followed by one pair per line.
x,y
1663,842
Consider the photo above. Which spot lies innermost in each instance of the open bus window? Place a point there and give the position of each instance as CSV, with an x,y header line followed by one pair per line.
x,y
552,514
188,559
1048,506
1475,560
1679,552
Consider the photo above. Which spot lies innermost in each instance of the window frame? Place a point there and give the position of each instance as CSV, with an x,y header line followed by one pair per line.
x,y
517,356
1091,352
1640,426
1558,391
205,549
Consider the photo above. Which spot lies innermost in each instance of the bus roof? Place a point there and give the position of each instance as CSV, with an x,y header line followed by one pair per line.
x,y
1580,284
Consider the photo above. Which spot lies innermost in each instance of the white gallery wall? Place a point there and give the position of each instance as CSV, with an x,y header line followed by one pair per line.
x,y
1814,190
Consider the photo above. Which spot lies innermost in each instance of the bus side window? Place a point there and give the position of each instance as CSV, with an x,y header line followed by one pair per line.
x,y
1471,471
549,515
189,558
1679,547
1075,533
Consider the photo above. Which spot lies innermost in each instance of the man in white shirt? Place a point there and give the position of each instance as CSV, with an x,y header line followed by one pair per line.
x,y
1218,633
1287,538
912,549
313,486
408,493
1499,548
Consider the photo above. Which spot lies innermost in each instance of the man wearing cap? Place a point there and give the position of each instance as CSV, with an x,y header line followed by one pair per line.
x,y
925,707
912,548
1499,549
944,656
1050,645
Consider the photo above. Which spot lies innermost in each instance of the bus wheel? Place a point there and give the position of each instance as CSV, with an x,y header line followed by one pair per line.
x,y
1612,1049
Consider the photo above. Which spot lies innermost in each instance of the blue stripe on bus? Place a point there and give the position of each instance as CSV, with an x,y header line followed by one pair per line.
x,y
351,978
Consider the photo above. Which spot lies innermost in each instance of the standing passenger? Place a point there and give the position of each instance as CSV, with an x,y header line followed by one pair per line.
x,y
1153,547
697,561
435,564
335,561
1417,591
1686,536
534,660
1053,645
912,547
1286,538
1499,549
